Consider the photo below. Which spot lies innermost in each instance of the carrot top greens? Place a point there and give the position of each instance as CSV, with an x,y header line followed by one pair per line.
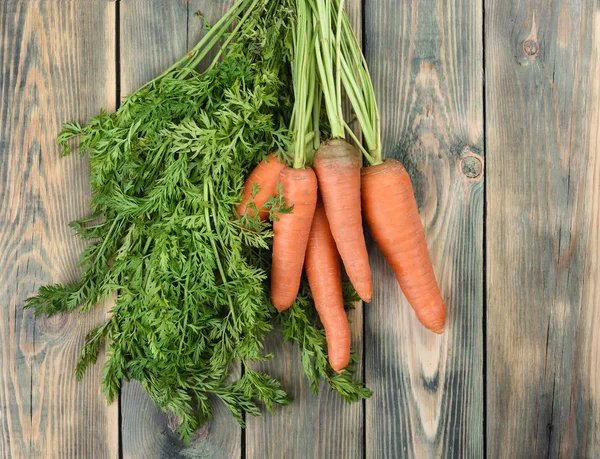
x,y
190,281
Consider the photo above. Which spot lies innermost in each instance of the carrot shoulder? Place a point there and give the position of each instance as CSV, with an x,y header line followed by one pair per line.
x,y
291,231
265,176
391,212
322,266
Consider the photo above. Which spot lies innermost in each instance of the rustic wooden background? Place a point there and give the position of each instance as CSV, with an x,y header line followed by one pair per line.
x,y
512,84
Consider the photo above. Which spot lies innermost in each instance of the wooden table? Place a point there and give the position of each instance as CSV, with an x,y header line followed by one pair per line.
x,y
514,84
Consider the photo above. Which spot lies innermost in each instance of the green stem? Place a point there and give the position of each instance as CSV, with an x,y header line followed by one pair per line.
x,y
214,246
325,52
147,246
231,36
311,88
186,313
353,92
304,82
317,117
359,88
338,57
358,143
329,101
203,47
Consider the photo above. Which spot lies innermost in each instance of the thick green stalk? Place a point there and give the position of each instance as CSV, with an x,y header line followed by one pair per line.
x,y
338,56
304,82
327,51
317,116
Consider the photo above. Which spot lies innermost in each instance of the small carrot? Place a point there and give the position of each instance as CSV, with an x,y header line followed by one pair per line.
x,y
338,164
291,231
391,212
265,176
322,266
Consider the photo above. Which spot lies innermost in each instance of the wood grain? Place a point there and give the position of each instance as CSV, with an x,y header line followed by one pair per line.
x,y
154,34
320,426
426,62
56,64
543,112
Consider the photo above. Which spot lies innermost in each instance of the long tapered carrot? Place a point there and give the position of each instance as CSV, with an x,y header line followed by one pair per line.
x,y
338,164
291,232
265,176
391,212
322,266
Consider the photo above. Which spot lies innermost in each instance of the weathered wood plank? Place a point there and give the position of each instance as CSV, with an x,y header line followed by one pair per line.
x,y
543,115
154,34
56,64
320,426
426,63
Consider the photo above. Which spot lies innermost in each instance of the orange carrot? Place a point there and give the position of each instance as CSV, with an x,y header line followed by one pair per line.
x,y
322,266
338,164
391,212
265,175
291,231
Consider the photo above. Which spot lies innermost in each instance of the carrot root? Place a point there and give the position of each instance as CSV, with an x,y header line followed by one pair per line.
x,y
265,176
291,232
390,210
337,165
322,266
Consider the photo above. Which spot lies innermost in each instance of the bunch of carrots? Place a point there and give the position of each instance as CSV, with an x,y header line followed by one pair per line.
x,y
330,192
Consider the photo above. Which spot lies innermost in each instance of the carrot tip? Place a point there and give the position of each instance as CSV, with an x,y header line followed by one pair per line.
x,y
364,290
338,367
281,307
282,304
364,297
435,327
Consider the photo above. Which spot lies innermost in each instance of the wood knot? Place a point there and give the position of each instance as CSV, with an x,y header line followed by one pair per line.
x,y
201,434
173,423
471,165
54,326
531,47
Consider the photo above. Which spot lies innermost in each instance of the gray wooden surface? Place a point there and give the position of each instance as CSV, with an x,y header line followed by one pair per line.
x,y
507,175
50,56
543,239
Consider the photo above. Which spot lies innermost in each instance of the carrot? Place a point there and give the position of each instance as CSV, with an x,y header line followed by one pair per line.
x,y
391,212
338,164
291,231
265,176
298,184
322,266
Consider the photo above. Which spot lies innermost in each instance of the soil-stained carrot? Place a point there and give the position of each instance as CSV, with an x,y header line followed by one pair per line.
x,y
391,212
322,266
265,176
291,231
338,165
